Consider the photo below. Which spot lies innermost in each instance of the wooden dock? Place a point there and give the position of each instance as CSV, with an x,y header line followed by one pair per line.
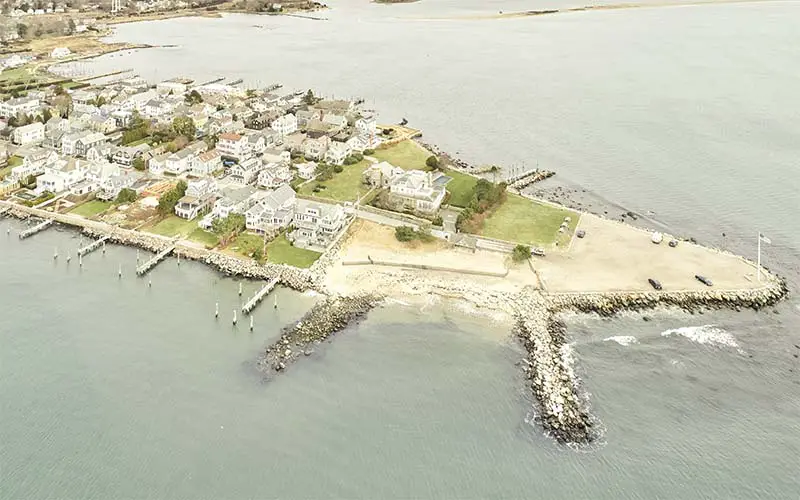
x,y
150,264
258,297
35,229
91,247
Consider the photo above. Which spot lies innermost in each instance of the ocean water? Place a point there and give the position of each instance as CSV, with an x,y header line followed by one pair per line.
x,y
109,388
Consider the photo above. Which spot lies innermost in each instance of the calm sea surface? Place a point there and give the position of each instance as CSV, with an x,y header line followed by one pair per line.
x,y
111,389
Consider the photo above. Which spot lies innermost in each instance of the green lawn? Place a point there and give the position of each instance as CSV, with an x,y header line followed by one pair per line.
x,y
91,208
4,172
200,235
345,186
15,74
407,155
173,226
460,188
141,141
522,220
14,161
280,251
246,243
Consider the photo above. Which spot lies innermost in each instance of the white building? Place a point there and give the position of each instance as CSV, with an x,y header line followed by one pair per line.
x,y
337,152
285,125
273,211
60,52
418,190
199,196
317,224
274,175
19,106
206,163
61,175
79,143
233,146
246,171
306,170
181,161
29,134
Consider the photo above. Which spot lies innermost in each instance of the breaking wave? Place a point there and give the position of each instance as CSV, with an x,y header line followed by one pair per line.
x,y
624,340
705,334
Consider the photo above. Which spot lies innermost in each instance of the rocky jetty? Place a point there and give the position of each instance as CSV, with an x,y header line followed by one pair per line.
x,y
531,178
560,408
608,304
325,319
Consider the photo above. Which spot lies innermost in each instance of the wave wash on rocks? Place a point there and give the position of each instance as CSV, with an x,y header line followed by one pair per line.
x,y
326,318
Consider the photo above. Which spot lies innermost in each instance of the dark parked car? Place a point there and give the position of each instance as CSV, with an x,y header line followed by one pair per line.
x,y
703,280
673,243
581,233
654,283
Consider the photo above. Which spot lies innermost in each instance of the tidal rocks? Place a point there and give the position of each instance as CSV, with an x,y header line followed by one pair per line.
x,y
325,319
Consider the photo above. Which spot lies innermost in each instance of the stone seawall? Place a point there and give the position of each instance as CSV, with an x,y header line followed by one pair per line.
x,y
325,319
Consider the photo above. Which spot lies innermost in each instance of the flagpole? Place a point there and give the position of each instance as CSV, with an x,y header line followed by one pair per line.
x,y
758,270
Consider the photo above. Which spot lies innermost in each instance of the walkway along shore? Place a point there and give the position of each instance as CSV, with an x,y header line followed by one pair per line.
x,y
562,408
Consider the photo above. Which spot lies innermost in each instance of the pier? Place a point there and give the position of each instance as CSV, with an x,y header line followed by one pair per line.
x,y
259,296
35,229
91,247
150,264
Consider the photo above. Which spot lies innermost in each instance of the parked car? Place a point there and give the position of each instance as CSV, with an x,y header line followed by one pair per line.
x,y
657,238
654,283
539,252
673,243
581,233
703,280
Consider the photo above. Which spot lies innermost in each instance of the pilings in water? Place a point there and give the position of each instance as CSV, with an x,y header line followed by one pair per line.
x,y
258,297
150,264
36,229
91,247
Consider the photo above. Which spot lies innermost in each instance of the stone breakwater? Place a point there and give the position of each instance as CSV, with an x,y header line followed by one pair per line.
x,y
561,410
532,178
608,304
324,320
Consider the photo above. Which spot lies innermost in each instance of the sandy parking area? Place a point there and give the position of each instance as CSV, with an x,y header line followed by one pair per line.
x,y
618,257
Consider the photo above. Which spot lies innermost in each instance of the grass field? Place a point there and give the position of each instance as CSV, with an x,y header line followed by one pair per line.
x,y
208,239
4,172
407,155
280,251
91,208
14,161
460,188
173,226
245,244
345,186
529,222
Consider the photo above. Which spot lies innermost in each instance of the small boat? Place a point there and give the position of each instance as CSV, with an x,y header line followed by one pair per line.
x,y
654,283
657,238
703,280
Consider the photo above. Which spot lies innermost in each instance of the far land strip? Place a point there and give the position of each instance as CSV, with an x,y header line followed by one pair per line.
x,y
353,210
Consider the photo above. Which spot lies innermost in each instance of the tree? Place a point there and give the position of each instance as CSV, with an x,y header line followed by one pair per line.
x,y
309,97
405,233
494,171
521,253
167,202
126,195
71,26
432,162
211,140
228,228
22,30
183,125
138,163
46,115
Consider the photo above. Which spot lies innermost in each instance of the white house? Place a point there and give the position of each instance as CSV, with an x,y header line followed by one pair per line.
x,y
381,174
274,175
206,163
306,170
418,190
317,224
367,126
337,152
199,196
157,164
61,175
315,149
78,143
33,163
60,52
170,86
19,106
181,161
285,125
126,155
111,187
246,171
233,146
100,152
29,134
273,211
233,200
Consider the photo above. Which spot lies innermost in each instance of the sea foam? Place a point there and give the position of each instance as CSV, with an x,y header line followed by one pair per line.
x,y
624,340
706,334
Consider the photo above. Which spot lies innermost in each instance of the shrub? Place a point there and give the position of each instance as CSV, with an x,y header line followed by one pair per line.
x,y
126,195
521,253
405,233
438,221
432,162
338,169
369,151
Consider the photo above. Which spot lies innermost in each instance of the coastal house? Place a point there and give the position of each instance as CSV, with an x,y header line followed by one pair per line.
x,y
111,186
233,146
171,87
60,53
102,123
273,211
78,143
381,174
101,152
337,152
199,196
33,163
126,155
338,106
19,106
181,161
277,156
366,126
285,125
246,171
306,170
157,164
317,224
315,149
29,134
61,175
419,191
206,163
275,175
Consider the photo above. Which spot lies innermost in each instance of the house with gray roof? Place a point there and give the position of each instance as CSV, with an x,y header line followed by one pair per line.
x,y
317,224
273,211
